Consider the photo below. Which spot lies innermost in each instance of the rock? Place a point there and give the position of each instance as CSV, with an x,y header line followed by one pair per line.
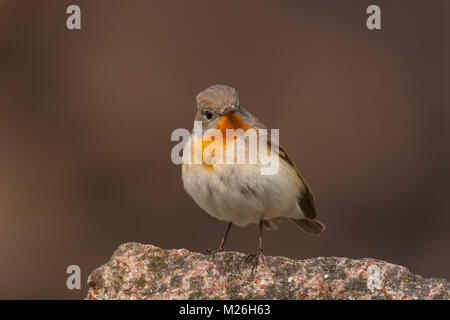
x,y
138,271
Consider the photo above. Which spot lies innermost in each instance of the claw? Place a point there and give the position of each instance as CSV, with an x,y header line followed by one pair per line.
x,y
255,257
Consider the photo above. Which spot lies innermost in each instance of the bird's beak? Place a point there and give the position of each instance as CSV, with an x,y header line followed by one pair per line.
x,y
228,109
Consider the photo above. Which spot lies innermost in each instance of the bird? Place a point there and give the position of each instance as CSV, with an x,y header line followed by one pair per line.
x,y
238,193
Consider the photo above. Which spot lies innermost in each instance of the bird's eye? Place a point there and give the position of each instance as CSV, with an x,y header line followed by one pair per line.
x,y
208,114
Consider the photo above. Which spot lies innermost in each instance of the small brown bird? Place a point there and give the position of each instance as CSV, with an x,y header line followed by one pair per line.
x,y
239,193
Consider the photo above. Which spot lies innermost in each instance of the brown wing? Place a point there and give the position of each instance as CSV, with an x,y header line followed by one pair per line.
x,y
306,199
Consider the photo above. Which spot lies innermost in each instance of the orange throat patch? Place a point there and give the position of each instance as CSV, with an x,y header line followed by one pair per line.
x,y
230,120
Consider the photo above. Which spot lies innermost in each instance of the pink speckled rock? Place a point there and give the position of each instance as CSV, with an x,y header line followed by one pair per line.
x,y
138,271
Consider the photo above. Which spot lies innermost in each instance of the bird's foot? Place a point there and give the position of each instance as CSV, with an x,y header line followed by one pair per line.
x,y
254,258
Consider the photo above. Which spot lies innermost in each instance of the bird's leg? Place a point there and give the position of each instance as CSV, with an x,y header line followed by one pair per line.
x,y
220,249
259,253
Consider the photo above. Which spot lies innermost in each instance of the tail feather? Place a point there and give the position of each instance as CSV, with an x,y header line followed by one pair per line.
x,y
311,226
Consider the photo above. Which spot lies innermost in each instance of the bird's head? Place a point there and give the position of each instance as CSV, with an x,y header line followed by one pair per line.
x,y
218,108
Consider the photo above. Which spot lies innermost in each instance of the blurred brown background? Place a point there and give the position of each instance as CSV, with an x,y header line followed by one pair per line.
x,y
86,118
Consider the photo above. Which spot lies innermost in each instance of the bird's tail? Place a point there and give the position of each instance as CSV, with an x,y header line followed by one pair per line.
x,y
311,226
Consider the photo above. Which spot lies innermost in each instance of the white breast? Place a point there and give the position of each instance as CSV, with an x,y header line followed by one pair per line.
x,y
239,193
